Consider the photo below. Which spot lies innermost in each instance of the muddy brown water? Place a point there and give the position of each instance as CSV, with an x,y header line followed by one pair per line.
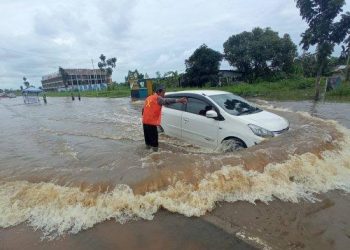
x,y
77,175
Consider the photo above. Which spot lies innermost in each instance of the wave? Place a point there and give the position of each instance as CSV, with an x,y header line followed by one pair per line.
x,y
250,176
57,210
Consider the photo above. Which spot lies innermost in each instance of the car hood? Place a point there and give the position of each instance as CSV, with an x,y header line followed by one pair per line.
x,y
266,120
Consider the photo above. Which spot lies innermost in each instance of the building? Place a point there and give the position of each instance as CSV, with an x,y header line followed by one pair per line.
x,y
77,79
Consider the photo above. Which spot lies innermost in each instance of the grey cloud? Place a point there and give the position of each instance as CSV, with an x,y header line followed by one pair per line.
x,y
117,16
148,35
58,21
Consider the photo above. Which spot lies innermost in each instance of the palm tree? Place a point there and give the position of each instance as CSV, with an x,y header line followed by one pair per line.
x,y
26,83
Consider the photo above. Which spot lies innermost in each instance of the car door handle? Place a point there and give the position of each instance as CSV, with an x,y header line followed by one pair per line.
x,y
186,119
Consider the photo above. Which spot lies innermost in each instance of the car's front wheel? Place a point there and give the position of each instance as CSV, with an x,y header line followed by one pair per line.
x,y
232,144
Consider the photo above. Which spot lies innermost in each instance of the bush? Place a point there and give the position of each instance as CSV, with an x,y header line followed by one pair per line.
x,y
303,85
343,90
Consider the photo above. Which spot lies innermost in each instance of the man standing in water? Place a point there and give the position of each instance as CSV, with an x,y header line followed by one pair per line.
x,y
151,115
44,98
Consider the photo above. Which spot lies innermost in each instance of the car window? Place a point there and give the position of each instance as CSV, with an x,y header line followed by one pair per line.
x,y
234,105
177,106
197,107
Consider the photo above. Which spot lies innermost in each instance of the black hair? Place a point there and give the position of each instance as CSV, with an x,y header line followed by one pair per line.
x,y
160,89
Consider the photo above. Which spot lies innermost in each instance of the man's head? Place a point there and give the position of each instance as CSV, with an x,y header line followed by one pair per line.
x,y
160,90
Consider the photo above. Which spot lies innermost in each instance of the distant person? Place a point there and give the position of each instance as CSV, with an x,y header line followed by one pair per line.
x,y
151,115
79,96
72,96
44,98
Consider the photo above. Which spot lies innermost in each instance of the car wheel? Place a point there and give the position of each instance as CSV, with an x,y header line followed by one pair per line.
x,y
232,144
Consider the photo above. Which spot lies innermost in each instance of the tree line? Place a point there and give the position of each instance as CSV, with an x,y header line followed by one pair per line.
x,y
261,54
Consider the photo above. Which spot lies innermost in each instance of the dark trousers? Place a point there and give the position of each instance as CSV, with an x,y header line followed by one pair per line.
x,y
150,133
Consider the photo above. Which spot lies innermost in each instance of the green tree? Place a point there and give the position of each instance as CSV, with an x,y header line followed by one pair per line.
x,y
331,63
25,82
344,27
202,66
308,64
171,79
286,52
107,65
260,53
133,74
345,55
323,31
64,76
158,77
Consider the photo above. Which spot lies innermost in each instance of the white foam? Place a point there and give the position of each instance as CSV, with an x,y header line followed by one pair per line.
x,y
57,210
255,240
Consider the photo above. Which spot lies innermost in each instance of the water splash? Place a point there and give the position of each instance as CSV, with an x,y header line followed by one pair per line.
x,y
57,210
312,158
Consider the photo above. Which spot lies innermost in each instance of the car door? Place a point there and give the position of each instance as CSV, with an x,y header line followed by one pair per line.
x,y
196,127
172,119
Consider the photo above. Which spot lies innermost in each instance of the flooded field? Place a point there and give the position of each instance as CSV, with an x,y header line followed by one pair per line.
x,y
66,167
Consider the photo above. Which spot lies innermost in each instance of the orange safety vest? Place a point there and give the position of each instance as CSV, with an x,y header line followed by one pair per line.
x,y
151,111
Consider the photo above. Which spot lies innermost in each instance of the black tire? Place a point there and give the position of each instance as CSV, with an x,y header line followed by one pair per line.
x,y
232,145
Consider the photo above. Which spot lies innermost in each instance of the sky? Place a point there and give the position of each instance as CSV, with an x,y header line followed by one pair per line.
x,y
38,36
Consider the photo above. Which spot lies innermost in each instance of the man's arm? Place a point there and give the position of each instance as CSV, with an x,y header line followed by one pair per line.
x,y
166,101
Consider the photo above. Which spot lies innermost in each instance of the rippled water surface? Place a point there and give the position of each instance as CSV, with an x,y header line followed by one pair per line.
x,y
66,166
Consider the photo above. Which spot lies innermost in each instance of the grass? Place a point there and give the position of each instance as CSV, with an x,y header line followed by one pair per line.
x,y
289,89
280,90
340,94
121,91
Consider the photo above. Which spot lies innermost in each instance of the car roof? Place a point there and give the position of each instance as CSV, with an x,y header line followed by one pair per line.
x,y
200,92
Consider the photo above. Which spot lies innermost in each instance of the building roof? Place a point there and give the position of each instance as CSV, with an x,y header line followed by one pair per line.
x,y
339,68
75,72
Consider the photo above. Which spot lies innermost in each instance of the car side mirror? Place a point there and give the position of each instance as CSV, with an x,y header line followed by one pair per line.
x,y
211,114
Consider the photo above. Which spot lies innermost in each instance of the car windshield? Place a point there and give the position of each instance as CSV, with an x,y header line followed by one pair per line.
x,y
234,105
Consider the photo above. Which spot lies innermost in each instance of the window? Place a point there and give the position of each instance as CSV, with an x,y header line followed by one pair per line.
x,y
177,106
197,107
234,105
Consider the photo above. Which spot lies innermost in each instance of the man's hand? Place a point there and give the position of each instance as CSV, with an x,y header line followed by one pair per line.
x,y
182,100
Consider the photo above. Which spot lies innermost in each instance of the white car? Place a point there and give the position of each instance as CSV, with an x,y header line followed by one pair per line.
x,y
213,118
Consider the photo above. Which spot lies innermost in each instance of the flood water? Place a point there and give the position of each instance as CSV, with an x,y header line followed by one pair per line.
x,y
66,167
